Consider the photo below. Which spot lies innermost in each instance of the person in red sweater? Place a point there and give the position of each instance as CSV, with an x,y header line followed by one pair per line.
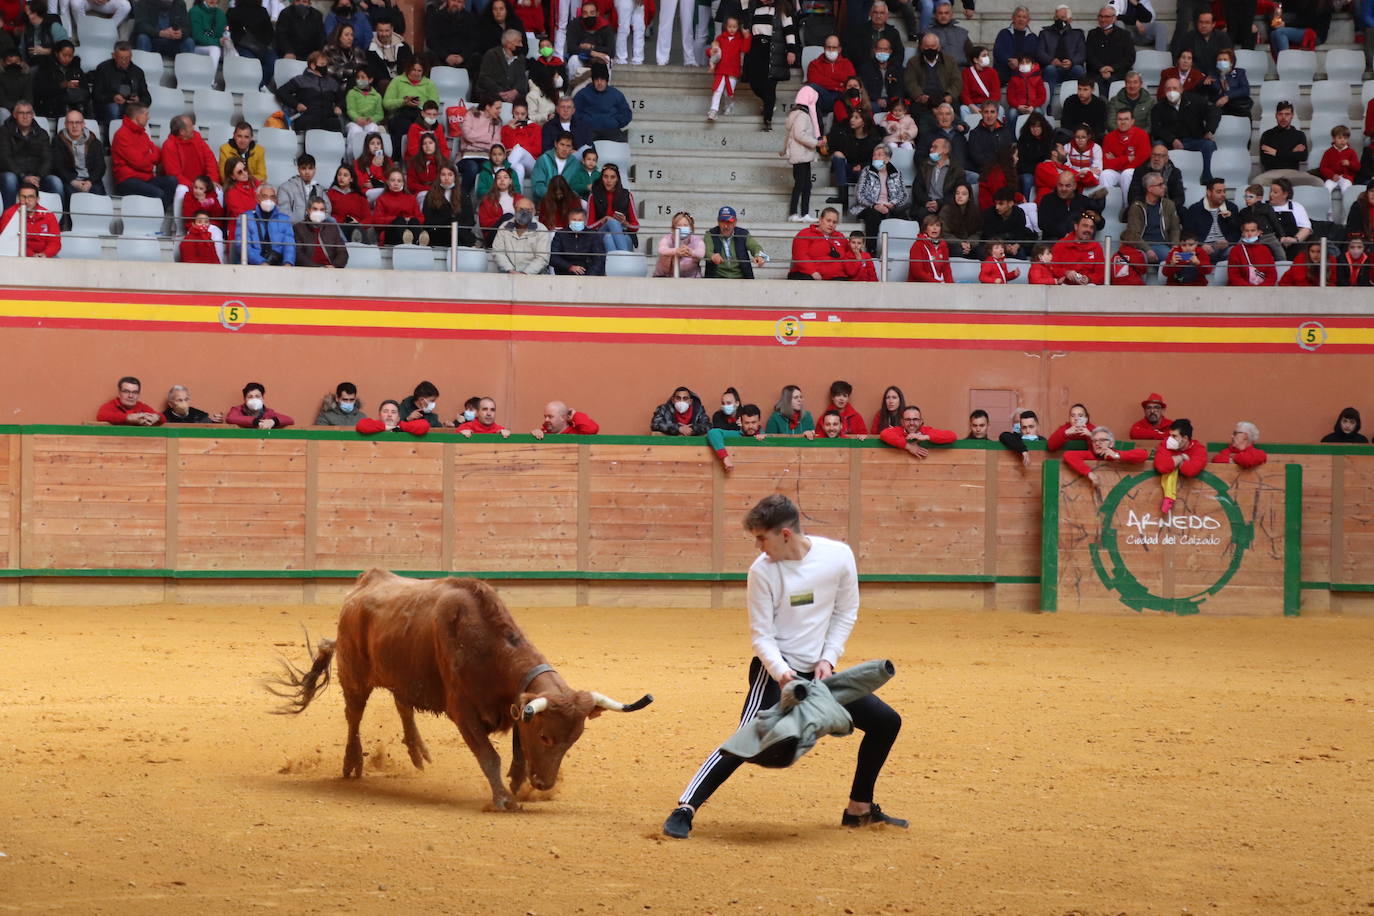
x,y
43,237
867,270
372,167
351,209
389,421
1243,450
1079,427
1026,90
497,205
1128,262
484,424
889,415
1123,151
126,409
1340,164
929,256
1077,258
1250,263
1306,269
1102,449
253,413
562,420
727,51
135,157
240,193
981,82
1187,264
1189,77
1177,455
1047,172
820,252
828,73
422,169
913,432
994,269
399,212
204,198
200,244
1042,266
186,156
429,122
1154,425
523,139
841,393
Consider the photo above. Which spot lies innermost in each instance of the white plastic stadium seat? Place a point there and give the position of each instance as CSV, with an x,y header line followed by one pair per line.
x,y
97,30
965,270
1233,131
810,53
1344,65
616,152
904,160
194,71
258,107
1318,149
415,257
165,104
1189,163
1274,91
1366,94
1332,95
1256,64
150,62
471,260
242,74
141,215
278,140
327,146
50,200
901,234
626,264
452,82
213,108
91,214
1234,165
1149,63
286,69
281,167
1319,128
80,246
362,256
1316,200
138,249
1297,66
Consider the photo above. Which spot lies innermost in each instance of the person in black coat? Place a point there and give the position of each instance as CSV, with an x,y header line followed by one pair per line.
x,y
78,158
1006,221
1347,429
59,84
451,35
300,31
1183,121
882,79
860,41
253,35
577,252
379,11
1214,213
1110,51
446,204
1058,212
115,83
313,99
1173,179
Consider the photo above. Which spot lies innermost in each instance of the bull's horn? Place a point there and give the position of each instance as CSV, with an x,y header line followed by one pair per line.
x,y
533,708
606,702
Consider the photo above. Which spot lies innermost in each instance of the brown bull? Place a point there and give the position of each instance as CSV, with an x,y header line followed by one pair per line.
x,y
450,647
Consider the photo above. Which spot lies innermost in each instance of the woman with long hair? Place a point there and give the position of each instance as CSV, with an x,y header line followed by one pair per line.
x,y
351,209
422,169
240,192
790,416
372,167
611,210
890,411
1033,147
962,223
345,57
446,204
559,200
498,205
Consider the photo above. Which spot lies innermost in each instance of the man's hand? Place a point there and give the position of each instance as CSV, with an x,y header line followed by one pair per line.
x,y
809,433
916,450
726,463
786,679
505,434
716,258
1268,150
1025,459
537,433
216,417
577,270
508,96
300,106
759,260
266,423
684,430
823,670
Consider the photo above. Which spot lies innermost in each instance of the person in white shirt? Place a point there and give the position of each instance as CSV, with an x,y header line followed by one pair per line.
x,y
803,601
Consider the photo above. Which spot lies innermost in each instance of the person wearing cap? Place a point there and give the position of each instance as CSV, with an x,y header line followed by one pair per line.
x,y
1154,425
602,106
731,252
1283,151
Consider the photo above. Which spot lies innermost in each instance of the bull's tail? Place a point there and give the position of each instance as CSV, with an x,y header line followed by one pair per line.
x,y
299,687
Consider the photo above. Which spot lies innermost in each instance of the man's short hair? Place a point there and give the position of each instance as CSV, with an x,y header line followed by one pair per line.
x,y
390,401
563,135
1184,426
751,410
132,108
129,380
1188,237
344,388
912,407
177,123
254,386
1085,81
1211,183
1249,222
425,389
979,414
121,46
773,513
841,387
430,104
1028,415
472,403
1285,105
305,160
832,412
1004,193
575,210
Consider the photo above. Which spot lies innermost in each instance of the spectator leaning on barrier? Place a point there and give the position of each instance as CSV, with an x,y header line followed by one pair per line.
x,y
180,410
423,404
44,236
253,413
890,411
1243,450
341,407
484,424
1178,455
389,421
731,252
728,415
562,420
681,415
680,246
1153,425
1025,428
126,408
790,416
1102,448
1078,427
1347,429
913,435
750,424
978,422
522,244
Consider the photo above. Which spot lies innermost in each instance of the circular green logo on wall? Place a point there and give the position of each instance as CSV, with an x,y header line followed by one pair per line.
x,y
1144,532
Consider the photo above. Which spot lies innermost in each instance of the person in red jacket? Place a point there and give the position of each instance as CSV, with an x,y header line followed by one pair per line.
x,y
819,252
351,209
424,125
1187,264
186,156
253,413
867,270
200,245
1250,263
1154,425
1128,262
1177,455
994,269
1103,448
43,238
422,169
828,73
1306,269
398,211
371,168
1340,164
240,193
913,432
1026,90
1123,151
126,408
562,420
1077,258
841,393
1042,266
1079,428
135,157
484,424
523,139
1243,450
727,52
929,257
204,198
981,82
389,421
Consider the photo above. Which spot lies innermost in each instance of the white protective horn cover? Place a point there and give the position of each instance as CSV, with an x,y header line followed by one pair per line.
x,y
535,707
606,702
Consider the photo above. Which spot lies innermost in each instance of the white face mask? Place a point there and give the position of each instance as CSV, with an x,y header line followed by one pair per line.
x,y
469,415
832,56
430,121
253,404
267,205
317,216
985,61
428,408
1024,68
1173,95
682,406
1249,239
1172,443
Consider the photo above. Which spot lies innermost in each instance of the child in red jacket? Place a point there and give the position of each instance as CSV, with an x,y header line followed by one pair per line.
x,y
868,270
1026,89
1128,263
727,54
1340,163
1187,264
994,269
1042,266
200,245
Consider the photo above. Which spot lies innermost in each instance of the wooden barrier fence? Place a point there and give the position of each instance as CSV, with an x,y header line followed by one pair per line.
x,y
103,515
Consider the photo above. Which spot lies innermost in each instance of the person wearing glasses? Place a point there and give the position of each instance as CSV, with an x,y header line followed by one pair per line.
x,y
126,409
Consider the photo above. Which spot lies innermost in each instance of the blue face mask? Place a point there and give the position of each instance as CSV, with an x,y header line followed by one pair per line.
x,y
469,415
577,225
881,56
728,409
878,164
934,157
347,406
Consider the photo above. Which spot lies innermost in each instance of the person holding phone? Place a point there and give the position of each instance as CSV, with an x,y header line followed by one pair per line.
x,y
680,250
1078,427
1188,263
611,211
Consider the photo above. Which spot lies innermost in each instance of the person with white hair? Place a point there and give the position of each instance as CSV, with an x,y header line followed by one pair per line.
x,y
1063,51
1102,448
179,409
1243,450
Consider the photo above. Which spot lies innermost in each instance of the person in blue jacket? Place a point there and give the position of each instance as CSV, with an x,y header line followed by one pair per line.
x,y
270,238
603,108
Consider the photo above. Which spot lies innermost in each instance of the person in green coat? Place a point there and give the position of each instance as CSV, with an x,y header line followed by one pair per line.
x,y
585,175
790,416
556,161
363,105
405,96
496,159
209,29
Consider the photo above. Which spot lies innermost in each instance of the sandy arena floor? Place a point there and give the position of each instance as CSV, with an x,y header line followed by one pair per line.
x,y
1050,765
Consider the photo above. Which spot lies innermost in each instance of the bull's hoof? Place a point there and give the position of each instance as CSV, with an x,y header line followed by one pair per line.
x,y
353,769
419,754
502,804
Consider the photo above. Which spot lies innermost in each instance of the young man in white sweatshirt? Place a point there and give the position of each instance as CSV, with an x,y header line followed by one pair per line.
x,y
803,602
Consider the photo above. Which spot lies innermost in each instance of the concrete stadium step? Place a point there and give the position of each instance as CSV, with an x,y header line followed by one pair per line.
x,y
652,76
741,170
724,136
690,103
753,207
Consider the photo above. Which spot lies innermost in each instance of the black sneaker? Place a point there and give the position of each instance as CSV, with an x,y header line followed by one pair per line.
x,y
875,815
832,200
679,823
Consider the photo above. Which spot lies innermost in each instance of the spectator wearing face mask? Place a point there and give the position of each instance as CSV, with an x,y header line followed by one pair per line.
x,y
1026,90
314,99
980,82
1250,263
1347,429
750,424
1062,50
422,404
341,407
1178,456
828,73
727,417
1243,451
1025,427
576,251
363,107
270,238
254,413
681,415
319,242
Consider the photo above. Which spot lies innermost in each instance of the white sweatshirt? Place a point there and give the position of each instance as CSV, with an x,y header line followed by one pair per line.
x,y
802,611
